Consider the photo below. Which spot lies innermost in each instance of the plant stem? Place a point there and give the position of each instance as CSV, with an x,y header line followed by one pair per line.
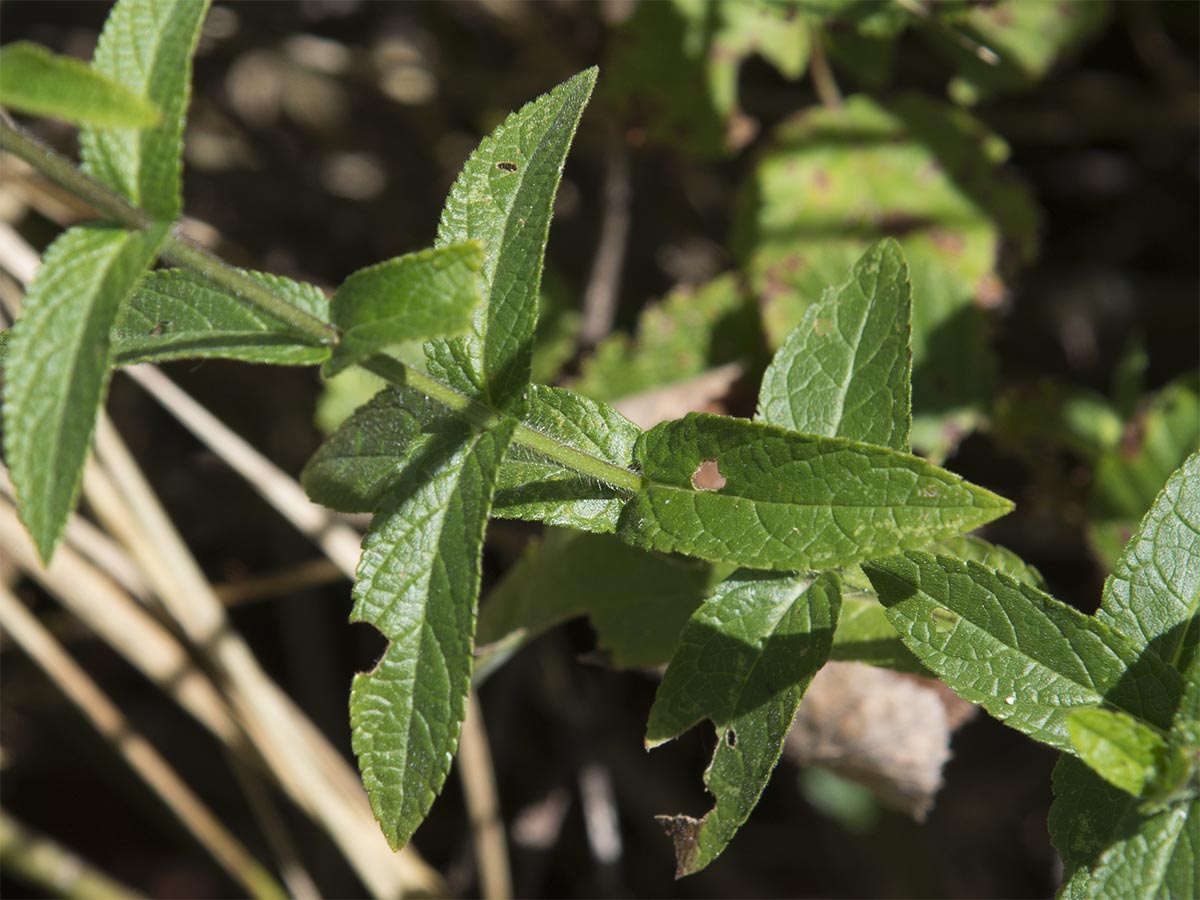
x,y
181,251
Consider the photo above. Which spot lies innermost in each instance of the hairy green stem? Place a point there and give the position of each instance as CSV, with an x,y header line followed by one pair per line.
x,y
183,252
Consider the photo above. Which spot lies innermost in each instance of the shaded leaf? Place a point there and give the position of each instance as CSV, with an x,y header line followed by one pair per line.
x,y
834,181
637,602
504,198
1120,749
846,369
782,500
687,333
865,635
35,80
673,68
58,364
175,314
535,487
1129,476
744,661
428,294
1023,656
418,583
147,46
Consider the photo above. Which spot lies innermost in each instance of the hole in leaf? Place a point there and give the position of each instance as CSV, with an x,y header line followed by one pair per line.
x,y
708,477
731,739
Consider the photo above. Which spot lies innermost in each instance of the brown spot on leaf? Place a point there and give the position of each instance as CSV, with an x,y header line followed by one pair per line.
x,y
683,832
822,326
506,166
708,477
820,180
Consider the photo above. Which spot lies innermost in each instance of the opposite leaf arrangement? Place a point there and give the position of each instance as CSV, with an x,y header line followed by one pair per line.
x,y
820,489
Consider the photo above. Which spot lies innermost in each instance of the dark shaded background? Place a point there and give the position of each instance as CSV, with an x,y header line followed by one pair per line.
x,y
342,175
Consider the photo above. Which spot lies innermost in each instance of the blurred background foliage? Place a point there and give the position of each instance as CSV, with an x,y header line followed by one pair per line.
x,y
1038,161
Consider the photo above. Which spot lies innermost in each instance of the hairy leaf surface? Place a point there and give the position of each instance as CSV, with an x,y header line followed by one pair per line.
x,y
1023,656
35,80
781,500
534,487
176,314
419,295
418,583
846,369
745,659
57,366
1153,594
504,199
1122,750
146,45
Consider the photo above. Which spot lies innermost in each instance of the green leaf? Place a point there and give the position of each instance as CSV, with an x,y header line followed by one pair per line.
x,y
673,67
865,635
342,395
147,46
689,332
419,295
1026,658
833,181
532,486
637,602
504,199
57,369
1027,39
355,468
1129,476
969,548
746,493
1122,750
744,661
35,80
418,583
175,314
1153,594
846,369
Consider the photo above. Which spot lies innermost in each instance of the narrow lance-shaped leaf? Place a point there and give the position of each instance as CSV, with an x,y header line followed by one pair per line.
x,y
1026,658
146,45
846,369
504,199
57,369
419,295
1153,594
35,80
418,583
744,661
742,492
174,314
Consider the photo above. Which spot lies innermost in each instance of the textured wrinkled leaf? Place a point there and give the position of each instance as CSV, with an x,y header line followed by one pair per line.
x,y
775,499
342,395
534,487
419,295
833,181
1120,749
37,81
673,68
1129,476
57,367
504,199
418,583
1027,39
147,46
969,548
846,369
1026,658
1153,594
175,314
689,332
744,661
357,466
637,602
